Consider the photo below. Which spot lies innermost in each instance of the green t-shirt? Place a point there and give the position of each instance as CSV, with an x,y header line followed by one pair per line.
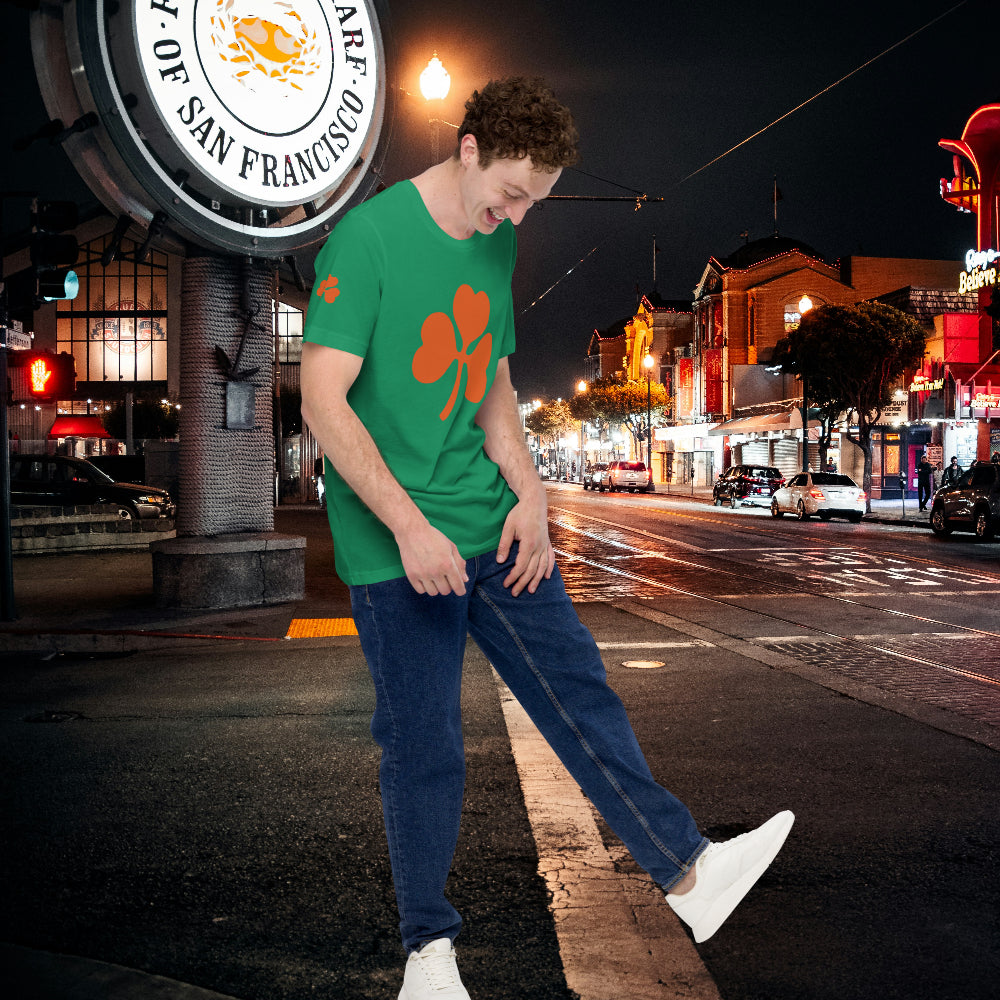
x,y
431,316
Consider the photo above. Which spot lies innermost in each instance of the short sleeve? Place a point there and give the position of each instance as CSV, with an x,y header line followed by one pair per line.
x,y
345,301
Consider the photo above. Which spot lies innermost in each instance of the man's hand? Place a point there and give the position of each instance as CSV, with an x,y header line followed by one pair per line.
x,y
527,524
432,562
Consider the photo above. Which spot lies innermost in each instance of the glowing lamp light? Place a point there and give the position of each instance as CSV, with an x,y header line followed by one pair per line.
x,y
805,304
648,361
581,386
435,81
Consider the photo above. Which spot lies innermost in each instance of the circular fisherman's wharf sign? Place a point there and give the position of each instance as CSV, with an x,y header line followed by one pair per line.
x,y
245,124
270,100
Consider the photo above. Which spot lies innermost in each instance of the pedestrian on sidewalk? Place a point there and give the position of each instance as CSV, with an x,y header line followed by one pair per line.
x,y
925,478
952,472
440,526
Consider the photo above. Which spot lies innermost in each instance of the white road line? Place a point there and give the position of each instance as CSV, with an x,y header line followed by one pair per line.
x,y
617,936
651,645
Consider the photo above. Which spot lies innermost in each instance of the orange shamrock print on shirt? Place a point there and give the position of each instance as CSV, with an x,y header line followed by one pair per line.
x,y
440,349
328,288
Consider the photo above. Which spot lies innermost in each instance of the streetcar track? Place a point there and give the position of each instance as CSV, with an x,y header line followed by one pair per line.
x,y
724,601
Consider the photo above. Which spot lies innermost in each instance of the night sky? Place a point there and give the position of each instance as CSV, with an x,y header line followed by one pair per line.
x,y
660,89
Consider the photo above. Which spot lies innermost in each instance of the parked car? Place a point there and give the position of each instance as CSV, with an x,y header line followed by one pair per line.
x,y
593,476
971,503
59,481
749,484
827,494
629,476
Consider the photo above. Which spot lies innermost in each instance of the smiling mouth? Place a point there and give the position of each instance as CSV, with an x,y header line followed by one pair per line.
x,y
493,217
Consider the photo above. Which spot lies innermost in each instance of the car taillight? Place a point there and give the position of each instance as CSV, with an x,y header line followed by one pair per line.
x,y
862,495
816,494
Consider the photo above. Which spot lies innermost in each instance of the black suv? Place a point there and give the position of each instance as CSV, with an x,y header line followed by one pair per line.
x,y
751,484
58,481
971,503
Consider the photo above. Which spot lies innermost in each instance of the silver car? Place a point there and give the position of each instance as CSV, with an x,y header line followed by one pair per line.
x,y
629,476
822,494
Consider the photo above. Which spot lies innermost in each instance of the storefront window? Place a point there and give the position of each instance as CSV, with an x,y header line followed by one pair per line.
x,y
116,328
288,323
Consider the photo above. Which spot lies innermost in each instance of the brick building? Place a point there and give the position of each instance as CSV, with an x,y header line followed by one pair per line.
x,y
729,405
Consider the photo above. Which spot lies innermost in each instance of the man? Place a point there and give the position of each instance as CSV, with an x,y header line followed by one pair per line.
x,y
440,525
952,472
925,474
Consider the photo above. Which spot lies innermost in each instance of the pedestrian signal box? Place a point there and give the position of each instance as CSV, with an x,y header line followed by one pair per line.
x,y
40,376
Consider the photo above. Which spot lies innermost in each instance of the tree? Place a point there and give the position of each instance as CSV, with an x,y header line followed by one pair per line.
x,y
851,358
610,401
587,407
550,421
151,419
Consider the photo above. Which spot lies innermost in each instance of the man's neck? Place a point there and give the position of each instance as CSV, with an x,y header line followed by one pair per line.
x,y
440,188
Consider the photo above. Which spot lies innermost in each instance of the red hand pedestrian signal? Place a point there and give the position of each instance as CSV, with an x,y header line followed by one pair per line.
x,y
39,374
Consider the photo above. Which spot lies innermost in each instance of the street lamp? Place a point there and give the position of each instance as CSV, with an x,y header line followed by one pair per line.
x,y
435,82
648,361
805,304
581,386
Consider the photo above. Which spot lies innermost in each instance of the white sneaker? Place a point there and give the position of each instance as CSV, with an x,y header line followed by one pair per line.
x,y
432,974
725,874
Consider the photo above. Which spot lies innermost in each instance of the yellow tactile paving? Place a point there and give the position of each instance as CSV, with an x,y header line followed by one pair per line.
x,y
320,628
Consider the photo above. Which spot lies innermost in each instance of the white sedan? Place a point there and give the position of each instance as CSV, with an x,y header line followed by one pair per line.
x,y
827,494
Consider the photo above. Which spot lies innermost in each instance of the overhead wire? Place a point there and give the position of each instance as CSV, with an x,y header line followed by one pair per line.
x,y
820,93
641,197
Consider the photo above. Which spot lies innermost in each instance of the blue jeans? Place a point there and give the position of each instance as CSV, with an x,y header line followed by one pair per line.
x,y
415,644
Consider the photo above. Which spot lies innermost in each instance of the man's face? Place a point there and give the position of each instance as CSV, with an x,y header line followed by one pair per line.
x,y
506,189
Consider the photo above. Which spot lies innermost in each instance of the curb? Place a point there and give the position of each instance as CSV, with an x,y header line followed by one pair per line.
x,y
44,975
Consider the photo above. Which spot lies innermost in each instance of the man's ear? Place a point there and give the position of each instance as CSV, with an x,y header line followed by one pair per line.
x,y
468,150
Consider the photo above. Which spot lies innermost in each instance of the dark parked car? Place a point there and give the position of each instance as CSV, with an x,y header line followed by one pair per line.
x,y
58,481
750,484
593,477
971,503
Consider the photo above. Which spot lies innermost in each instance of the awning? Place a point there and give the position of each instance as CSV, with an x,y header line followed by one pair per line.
x,y
790,420
682,432
963,371
78,426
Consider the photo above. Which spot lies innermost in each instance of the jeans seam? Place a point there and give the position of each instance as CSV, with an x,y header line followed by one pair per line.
x,y
394,757
571,726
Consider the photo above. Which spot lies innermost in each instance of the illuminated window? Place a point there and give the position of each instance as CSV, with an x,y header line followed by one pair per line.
x,y
792,316
288,323
116,328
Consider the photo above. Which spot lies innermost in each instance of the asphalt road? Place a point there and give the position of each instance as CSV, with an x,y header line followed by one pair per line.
x,y
850,673
207,810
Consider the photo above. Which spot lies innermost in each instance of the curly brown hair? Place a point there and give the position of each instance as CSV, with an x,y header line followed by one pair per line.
x,y
518,117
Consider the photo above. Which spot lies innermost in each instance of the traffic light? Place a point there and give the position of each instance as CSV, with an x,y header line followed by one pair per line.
x,y
41,376
53,251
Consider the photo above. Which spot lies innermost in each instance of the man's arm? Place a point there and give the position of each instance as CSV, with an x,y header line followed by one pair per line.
x,y
431,561
527,523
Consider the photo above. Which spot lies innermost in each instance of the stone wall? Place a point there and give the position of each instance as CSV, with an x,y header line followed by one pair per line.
x,y
41,530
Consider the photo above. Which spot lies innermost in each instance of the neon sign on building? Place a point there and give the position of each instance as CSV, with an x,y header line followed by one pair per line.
x,y
980,270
